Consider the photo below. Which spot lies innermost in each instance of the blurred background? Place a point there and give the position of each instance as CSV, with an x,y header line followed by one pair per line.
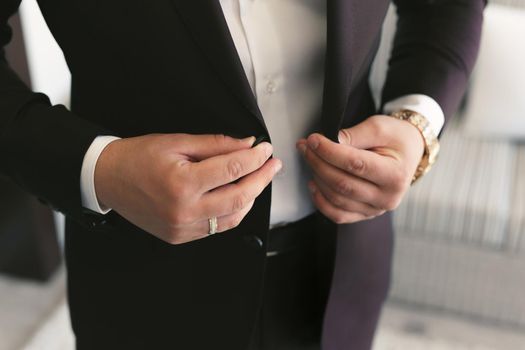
x,y
459,266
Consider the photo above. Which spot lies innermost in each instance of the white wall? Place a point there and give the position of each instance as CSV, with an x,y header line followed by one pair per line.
x,y
47,66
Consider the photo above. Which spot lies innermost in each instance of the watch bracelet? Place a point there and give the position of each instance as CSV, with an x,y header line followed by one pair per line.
x,y
430,140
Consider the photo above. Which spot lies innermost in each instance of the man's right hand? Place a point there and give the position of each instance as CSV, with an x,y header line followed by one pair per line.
x,y
170,185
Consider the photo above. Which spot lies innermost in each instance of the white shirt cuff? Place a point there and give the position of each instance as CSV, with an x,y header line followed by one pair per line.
x,y
87,174
421,104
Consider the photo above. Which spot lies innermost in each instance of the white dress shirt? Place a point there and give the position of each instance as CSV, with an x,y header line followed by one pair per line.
x,y
281,44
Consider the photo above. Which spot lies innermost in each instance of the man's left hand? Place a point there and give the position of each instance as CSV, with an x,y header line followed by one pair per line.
x,y
367,173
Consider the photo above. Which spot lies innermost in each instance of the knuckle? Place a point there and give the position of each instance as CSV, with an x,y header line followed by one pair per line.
x,y
339,219
336,201
180,218
400,180
343,187
174,219
193,186
178,191
392,203
378,126
234,169
173,237
173,193
181,184
239,202
356,165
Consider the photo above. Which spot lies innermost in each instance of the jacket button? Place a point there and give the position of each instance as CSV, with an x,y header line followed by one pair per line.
x,y
95,220
254,241
99,223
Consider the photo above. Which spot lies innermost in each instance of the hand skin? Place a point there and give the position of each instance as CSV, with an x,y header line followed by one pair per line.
x,y
367,173
171,184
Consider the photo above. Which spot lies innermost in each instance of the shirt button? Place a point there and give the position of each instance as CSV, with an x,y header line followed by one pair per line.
x,y
271,87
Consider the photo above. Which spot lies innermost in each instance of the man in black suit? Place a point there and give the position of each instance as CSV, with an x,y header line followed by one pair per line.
x,y
156,86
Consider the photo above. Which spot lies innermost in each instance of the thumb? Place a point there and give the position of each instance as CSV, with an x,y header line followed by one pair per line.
x,y
200,147
367,134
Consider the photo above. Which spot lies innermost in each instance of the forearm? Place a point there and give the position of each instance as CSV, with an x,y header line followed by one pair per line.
x,y
41,146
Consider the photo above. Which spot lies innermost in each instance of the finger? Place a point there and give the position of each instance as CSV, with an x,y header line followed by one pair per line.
x,y
345,184
344,203
199,147
372,132
362,163
224,169
335,214
234,197
201,228
228,222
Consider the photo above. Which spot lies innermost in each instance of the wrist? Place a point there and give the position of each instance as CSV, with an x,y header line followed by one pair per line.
x,y
425,105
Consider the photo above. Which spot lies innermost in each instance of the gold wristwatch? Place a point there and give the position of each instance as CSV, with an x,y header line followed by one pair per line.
x,y
430,138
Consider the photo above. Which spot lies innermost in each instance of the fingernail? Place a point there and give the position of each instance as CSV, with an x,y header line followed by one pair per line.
x,y
278,167
313,142
340,136
250,140
344,137
312,188
302,148
267,148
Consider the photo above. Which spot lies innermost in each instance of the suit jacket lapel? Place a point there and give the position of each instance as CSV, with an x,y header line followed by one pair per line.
x,y
338,64
207,25
354,27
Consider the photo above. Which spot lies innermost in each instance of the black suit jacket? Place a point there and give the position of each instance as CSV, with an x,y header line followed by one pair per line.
x,y
170,66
